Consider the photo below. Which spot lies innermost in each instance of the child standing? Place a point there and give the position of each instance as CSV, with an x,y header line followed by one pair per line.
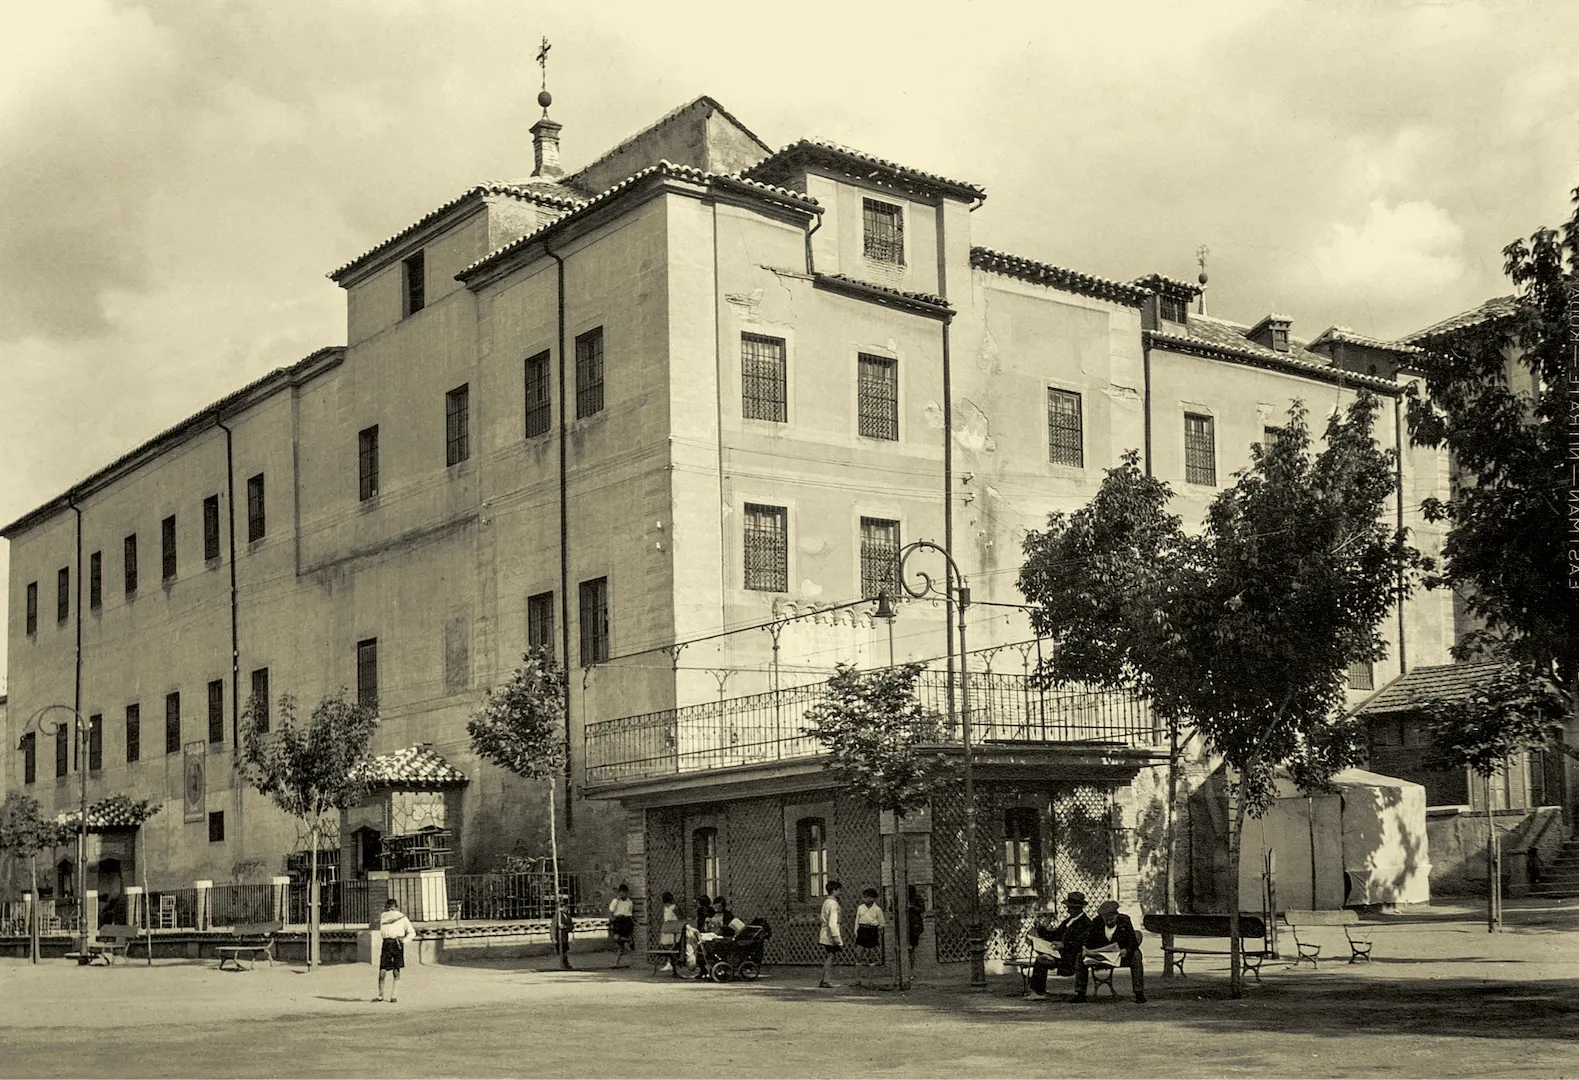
x,y
829,935
394,931
869,923
669,928
622,922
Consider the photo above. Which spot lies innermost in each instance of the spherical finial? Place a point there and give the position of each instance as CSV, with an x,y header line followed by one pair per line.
x,y
544,98
1201,277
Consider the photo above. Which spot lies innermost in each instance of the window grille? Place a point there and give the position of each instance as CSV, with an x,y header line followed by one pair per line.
x,y
539,395
457,425
367,673
1200,450
260,700
1270,436
879,557
96,580
211,527
134,733
95,742
216,711
32,607
216,826
1022,847
1362,676
367,462
62,751
762,379
879,397
167,547
1065,429
767,548
883,231
172,723
416,283
29,758
594,621
62,594
589,373
811,842
257,514
129,558
705,878
540,622
1175,308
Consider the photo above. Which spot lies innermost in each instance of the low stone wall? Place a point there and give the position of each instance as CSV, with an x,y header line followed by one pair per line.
x,y
334,946
1457,840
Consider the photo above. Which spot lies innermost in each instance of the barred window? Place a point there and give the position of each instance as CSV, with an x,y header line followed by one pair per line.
x,y
216,711
1270,436
705,878
594,621
32,607
30,757
96,580
879,557
129,556
1362,676
367,673
95,742
762,389
172,723
1065,429
1200,450
260,700
539,395
1022,847
879,397
167,547
62,594
811,851
540,622
257,514
367,462
589,373
1175,308
216,826
415,273
457,425
134,733
211,527
767,548
883,231
62,751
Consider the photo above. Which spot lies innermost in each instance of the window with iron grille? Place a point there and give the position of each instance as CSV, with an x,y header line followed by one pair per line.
x,y
62,751
811,857
767,548
457,425
1175,308
260,700
30,758
1362,676
367,462
1270,436
367,673
1022,848
1065,429
257,513
32,607
216,711
705,879
878,397
762,380
1200,450
540,622
167,547
883,231
589,373
216,826
594,621
539,395
879,557
62,594
134,733
415,274
96,580
172,723
129,562
95,742
211,527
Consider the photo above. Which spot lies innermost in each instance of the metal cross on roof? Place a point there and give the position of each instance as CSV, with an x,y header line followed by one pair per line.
x,y
542,59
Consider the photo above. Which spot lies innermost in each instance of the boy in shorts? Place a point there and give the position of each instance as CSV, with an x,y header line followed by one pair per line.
x,y
829,935
394,931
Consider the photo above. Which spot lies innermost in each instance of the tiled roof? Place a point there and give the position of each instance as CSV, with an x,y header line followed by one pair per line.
x,y
1216,337
1354,337
415,766
115,812
669,118
663,168
1499,308
1057,277
1160,283
201,421
1445,682
884,294
848,158
533,193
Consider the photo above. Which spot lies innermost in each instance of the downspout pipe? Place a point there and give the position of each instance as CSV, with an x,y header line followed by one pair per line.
x,y
78,728
1145,404
1398,495
948,463
235,637
564,529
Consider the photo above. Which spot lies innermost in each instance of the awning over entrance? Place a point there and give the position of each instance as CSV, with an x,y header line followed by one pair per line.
x,y
416,768
115,812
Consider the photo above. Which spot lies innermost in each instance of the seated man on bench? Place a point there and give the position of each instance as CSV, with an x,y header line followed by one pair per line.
x,y
1111,941
1057,948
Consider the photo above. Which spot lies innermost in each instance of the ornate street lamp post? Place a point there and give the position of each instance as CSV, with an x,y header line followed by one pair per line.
x,y
975,940
50,726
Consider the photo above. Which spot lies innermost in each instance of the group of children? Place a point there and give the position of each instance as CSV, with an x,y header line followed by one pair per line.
x,y
869,924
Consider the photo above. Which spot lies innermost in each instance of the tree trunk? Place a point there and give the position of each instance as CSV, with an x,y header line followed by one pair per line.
x,y
901,903
32,909
1493,878
1236,976
1170,819
312,899
561,927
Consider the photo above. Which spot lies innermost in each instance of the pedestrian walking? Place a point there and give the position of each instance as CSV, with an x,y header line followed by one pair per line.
x,y
622,923
829,935
394,931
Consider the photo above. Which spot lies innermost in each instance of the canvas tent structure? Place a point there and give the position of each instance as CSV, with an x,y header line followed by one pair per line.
x,y
1364,845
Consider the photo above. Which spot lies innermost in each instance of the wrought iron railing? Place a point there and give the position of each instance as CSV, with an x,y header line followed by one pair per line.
x,y
768,727
240,905
506,897
173,909
342,903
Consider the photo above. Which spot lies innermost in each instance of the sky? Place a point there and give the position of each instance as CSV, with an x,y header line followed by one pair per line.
x,y
178,177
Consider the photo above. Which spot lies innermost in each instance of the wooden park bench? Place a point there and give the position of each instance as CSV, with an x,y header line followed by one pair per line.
x,y
252,941
1253,947
112,939
1359,948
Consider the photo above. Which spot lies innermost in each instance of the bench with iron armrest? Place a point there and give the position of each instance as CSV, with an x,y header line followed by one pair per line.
x,y
1252,939
1101,967
253,940
112,939
1359,948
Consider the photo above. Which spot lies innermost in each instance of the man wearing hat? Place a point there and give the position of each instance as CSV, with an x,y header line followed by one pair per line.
x,y
1110,930
1061,944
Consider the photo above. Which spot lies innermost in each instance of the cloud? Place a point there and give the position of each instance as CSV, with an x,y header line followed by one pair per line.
x,y
1400,252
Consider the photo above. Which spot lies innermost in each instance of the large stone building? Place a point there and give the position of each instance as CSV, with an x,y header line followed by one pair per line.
x,y
672,414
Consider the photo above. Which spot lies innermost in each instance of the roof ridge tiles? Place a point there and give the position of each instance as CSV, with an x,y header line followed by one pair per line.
x,y
1041,273
666,118
778,157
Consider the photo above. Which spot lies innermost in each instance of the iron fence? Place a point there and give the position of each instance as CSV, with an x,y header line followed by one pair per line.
x,y
342,903
54,917
508,897
241,905
769,727
173,909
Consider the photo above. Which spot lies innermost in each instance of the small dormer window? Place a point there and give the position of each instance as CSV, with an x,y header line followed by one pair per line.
x,y
883,231
1280,338
1174,308
416,280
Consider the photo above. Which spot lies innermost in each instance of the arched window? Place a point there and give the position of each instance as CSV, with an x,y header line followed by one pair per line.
x,y
1022,849
704,863
811,851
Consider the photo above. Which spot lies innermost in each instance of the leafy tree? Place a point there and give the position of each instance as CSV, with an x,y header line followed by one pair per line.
x,y
1245,631
878,736
521,728
311,771
1496,396
24,832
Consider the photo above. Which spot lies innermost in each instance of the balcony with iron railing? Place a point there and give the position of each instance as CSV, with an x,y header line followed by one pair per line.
x,y
1005,709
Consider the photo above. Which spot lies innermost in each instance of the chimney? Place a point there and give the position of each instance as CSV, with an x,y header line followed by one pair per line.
x,y
1271,332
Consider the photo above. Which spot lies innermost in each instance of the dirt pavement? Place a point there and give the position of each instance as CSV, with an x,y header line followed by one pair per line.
x,y
1443,998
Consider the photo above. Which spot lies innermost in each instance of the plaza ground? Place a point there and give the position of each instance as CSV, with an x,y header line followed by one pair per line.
x,y
1443,998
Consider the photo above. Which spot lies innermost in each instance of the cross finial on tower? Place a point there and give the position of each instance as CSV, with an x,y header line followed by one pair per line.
x,y
542,59
1200,257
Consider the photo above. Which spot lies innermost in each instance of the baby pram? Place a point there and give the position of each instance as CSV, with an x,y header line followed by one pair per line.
x,y
739,957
